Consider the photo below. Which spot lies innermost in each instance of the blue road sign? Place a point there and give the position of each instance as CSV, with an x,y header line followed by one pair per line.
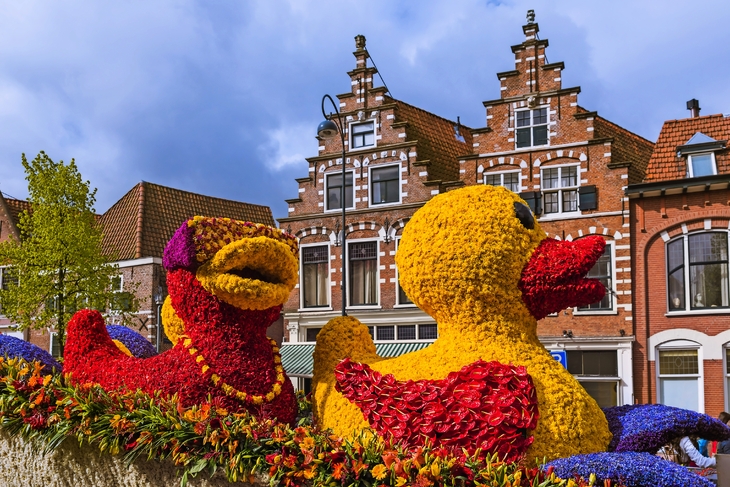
x,y
561,356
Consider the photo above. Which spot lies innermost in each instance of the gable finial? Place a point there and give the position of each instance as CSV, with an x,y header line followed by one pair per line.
x,y
530,16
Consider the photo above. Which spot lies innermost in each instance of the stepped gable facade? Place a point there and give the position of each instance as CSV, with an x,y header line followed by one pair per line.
x,y
572,166
680,230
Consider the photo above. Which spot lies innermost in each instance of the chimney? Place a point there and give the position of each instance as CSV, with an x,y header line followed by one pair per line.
x,y
694,107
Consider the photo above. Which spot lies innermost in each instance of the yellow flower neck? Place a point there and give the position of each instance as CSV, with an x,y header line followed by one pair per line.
x,y
242,396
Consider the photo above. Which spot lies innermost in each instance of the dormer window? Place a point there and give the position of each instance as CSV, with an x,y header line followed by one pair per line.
x,y
701,165
531,127
362,135
699,153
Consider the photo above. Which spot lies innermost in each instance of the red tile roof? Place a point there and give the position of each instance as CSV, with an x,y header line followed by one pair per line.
x,y
15,207
665,165
143,220
437,140
627,147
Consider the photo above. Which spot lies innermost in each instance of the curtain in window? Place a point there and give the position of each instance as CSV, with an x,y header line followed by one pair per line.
x,y
363,289
315,285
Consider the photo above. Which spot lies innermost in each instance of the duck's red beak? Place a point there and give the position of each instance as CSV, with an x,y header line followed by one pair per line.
x,y
554,278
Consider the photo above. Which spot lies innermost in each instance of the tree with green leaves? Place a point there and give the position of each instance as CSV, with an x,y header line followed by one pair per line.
x,y
57,266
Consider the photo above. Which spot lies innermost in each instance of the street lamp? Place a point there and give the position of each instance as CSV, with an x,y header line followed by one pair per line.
x,y
159,298
327,130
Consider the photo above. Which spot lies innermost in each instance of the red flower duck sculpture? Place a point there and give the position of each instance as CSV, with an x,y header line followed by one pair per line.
x,y
227,281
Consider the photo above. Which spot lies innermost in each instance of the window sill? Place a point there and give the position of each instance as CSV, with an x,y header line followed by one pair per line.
x,y
698,312
362,149
315,309
363,307
339,210
407,306
606,312
380,205
558,216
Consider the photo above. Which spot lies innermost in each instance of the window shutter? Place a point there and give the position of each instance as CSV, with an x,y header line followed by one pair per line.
x,y
533,200
588,198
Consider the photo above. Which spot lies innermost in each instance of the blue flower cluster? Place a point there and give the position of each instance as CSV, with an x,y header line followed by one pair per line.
x,y
647,427
16,348
136,343
631,469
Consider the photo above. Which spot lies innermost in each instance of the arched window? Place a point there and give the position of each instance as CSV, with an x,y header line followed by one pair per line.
x,y
697,271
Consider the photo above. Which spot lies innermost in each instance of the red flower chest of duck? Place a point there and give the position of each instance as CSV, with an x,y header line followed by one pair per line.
x,y
227,281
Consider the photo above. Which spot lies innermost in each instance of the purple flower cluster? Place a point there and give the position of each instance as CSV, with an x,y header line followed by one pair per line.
x,y
180,250
12,347
631,469
647,427
136,343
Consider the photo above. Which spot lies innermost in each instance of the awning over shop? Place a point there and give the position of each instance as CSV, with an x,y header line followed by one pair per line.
x,y
298,362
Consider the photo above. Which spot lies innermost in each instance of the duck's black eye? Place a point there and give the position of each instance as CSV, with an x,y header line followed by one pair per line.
x,y
524,214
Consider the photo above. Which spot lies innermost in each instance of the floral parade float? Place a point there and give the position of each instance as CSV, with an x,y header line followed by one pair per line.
x,y
478,408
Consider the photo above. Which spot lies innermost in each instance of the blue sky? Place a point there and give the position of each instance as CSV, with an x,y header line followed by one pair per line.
x,y
223,97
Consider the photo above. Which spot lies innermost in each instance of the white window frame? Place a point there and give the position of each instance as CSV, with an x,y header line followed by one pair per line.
x,y
604,378
121,283
531,126
501,175
377,276
371,185
559,190
690,163
687,310
374,335
398,304
682,345
329,275
578,312
327,175
350,135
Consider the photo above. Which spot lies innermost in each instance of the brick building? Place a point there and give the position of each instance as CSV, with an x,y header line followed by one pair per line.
x,y
136,230
679,231
572,166
569,163
397,157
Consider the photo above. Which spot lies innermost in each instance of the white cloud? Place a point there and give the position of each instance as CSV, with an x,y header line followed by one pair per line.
x,y
288,146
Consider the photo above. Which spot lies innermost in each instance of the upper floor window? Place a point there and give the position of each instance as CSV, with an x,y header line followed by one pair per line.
x,y
697,271
701,165
385,185
362,135
532,127
7,278
510,180
315,272
603,271
560,189
363,257
333,183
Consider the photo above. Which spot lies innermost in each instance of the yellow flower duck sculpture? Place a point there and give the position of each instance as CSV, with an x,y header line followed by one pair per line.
x,y
477,262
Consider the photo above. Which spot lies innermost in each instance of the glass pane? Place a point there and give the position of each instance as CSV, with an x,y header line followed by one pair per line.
x,y
427,332
314,282
708,247
314,255
675,254
523,118
523,138
312,334
362,250
407,332
512,181
363,282
493,179
680,393
540,135
605,393
385,173
385,332
676,290
601,363
569,177
539,116
402,297
702,165
362,127
551,203
570,200
550,178
674,362
575,361
709,285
